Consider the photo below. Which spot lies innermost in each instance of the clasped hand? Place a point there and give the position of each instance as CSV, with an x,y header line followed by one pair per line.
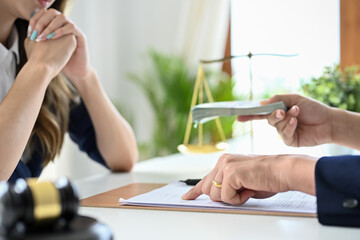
x,y
55,41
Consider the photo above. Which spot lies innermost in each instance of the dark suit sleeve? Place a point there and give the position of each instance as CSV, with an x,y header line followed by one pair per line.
x,y
82,132
338,190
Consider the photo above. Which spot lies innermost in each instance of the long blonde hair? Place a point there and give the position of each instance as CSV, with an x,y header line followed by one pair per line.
x,y
52,122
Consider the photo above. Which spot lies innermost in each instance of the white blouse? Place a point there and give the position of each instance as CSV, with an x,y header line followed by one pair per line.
x,y
9,58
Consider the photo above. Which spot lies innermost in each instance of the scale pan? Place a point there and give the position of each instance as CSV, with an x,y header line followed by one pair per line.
x,y
202,149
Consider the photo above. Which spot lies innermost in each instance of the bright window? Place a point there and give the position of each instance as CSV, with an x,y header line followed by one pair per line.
x,y
305,27
308,28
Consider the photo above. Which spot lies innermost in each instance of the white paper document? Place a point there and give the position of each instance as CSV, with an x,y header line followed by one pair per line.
x,y
170,196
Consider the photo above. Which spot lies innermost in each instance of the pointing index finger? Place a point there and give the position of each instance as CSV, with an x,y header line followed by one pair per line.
x,y
194,192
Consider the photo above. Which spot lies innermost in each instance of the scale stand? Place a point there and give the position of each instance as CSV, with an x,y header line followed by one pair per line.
x,y
201,84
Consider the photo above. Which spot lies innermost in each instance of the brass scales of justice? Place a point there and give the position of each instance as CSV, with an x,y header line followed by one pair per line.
x,y
202,84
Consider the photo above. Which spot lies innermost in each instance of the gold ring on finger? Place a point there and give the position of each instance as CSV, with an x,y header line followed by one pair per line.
x,y
216,184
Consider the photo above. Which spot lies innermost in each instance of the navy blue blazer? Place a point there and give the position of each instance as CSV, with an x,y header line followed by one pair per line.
x,y
80,130
338,190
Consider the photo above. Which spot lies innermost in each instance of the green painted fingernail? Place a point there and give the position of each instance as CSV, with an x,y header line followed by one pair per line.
x,y
51,35
33,35
32,14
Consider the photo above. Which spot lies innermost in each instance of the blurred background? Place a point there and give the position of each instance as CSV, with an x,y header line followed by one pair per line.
x,y
146,53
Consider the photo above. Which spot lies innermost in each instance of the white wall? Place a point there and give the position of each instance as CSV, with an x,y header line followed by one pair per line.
x,y
119,33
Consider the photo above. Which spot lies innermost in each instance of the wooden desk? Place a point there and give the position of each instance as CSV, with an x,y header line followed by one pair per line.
x,y
152,224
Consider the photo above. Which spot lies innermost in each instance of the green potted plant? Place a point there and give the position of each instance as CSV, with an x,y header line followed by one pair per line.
x,y
335,88
169,87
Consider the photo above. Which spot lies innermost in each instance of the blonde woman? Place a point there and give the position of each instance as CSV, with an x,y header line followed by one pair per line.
x,y
48,88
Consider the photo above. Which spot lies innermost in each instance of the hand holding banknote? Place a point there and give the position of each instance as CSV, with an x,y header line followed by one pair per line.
x,y
306,123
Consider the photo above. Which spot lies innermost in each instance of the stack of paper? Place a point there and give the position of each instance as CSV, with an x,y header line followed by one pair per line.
x,y
170,196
